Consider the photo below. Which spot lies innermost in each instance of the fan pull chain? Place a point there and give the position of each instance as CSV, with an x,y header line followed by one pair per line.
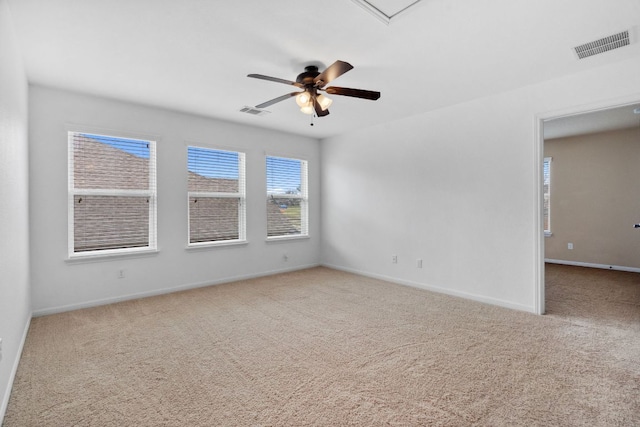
x,y
311,119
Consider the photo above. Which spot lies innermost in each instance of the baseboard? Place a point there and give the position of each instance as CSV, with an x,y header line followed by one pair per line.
x,y
592,265
438,289
14,371
155,292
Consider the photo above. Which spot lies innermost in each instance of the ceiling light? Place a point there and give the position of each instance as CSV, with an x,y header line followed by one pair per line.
x,y
304,102
324,101
303,99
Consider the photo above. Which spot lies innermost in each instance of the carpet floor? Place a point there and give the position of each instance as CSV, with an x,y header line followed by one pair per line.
x,y
321,347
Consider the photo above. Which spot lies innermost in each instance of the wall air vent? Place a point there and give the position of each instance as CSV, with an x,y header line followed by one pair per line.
x,y
254,111
603,45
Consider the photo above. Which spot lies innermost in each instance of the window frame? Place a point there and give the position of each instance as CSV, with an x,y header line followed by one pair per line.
x,y
151,194
241,195
303,197
546,195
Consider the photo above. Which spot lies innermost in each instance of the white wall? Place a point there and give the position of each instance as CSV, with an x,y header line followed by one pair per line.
x,y
61,285
455,187
15,305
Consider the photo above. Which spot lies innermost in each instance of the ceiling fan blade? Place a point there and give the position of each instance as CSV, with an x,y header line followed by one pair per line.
x,y
274,79
356,93
332,72
319,111
276,100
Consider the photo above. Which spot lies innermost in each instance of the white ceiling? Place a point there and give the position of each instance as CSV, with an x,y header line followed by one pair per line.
x,y
391,7
194,55
623,117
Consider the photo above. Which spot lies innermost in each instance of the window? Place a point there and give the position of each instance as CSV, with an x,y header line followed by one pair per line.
x,y
547,195
287,197
112,195
216,188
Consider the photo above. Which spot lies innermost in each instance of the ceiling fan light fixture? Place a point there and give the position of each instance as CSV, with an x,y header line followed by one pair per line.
x,y
304,102
324,101
311,82
303,99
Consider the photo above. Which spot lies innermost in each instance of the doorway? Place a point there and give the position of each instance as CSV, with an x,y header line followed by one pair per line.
x,y
589,169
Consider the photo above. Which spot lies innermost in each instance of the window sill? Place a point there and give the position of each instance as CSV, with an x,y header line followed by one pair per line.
x,y
99,257
286,238
213,245
548,234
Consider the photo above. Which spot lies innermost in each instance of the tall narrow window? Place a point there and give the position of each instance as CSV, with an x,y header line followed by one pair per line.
x,y
547,194
112,194
287,197
216,184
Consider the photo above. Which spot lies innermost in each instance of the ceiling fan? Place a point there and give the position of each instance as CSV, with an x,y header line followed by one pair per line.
x,y
312,82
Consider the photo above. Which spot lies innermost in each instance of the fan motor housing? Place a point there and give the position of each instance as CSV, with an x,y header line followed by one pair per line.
x,y
307,78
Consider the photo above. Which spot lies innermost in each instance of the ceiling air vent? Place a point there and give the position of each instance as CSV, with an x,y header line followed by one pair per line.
x,y
603,45
254,111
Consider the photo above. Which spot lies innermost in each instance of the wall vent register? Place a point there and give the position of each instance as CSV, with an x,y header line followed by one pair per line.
x,y
604,44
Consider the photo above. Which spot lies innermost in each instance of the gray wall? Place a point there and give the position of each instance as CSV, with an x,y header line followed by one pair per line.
x,y
15,306
59,284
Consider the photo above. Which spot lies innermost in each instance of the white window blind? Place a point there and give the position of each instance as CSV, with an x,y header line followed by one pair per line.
x,y
112,194
287,197
217,206
547,194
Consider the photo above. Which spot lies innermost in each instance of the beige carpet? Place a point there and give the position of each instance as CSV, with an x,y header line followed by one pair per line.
x,y
325,348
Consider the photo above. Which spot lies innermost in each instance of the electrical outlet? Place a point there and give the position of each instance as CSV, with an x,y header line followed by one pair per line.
x,y
570,246
394,259
419,263
120,274
285,258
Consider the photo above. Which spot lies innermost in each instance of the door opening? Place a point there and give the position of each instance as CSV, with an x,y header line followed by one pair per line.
x,y
553,127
